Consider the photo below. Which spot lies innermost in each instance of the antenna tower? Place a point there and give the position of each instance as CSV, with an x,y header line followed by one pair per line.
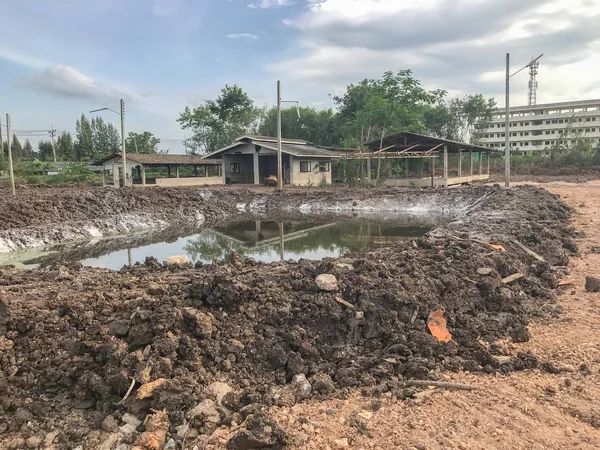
x,y
533,84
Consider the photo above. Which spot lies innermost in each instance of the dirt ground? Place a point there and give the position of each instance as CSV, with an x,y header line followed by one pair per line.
x,y
524,410
74,341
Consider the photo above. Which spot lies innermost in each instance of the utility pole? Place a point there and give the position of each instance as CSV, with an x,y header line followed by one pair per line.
x,y
279,158
10,160
124,156
507,137
52,133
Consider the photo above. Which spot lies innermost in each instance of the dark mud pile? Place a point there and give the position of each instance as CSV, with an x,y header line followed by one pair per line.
x,y
73,339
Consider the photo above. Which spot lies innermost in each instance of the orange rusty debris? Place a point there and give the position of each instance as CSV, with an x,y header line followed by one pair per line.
x,y
437,325
565,283
498,247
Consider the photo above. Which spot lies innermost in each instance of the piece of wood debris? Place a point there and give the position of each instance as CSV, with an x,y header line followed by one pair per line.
x,y
345,303
155,435
440,384
147,390
530,252
128,392
513,277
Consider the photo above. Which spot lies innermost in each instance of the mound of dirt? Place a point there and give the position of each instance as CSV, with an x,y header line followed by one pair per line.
x,y
221,342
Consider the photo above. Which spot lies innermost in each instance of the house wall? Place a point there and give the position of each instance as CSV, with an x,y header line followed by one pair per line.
x,y
246,174
314,177
191,181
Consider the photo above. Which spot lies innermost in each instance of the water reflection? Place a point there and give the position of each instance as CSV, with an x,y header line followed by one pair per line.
x,y
264,240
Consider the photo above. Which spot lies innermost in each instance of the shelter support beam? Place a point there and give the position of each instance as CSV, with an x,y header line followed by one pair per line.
x,y
432,172
471,161
255,168
480,162
143,175
445,165
459,163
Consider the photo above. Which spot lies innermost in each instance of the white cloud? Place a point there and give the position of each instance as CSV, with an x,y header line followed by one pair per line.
x,y
65,81
22,58
244,36
457,45
265,4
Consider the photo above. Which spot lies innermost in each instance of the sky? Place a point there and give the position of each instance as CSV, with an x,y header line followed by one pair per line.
x,y
62,58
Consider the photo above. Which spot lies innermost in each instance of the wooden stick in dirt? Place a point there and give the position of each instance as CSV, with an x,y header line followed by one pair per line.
x,y
530,252
441,384
513,277
345,303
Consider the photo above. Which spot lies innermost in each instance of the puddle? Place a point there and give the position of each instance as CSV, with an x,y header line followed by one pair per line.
x,y
264,240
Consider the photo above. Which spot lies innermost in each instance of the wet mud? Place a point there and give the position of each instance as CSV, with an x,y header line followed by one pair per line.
x,y
220,343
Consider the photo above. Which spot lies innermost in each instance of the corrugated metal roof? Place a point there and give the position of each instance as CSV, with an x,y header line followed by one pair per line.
x,y
294,147
173,160
414,138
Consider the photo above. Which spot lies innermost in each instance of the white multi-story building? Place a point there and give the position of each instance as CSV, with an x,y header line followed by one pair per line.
x,y
542,127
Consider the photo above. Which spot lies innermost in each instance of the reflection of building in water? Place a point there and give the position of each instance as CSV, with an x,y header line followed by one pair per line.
x,y
297,239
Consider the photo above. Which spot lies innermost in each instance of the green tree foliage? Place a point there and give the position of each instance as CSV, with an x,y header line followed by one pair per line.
x,y
28,151
316,126
374,108
45,150
64,147
461,119
144,142
218,123
16,147
84,145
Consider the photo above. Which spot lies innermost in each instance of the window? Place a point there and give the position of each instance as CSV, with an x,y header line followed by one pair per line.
x,y
588,119
593,119
324,166
304,166
547,143
514,134
547,122
235,168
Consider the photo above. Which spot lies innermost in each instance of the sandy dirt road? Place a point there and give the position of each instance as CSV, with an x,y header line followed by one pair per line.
x,y
526,410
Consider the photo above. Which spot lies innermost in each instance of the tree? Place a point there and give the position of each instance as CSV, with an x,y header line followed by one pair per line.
x,y
46,153
17,149
144,142
64,147
461,119
113,139
84,146
316,126
28,151
218,123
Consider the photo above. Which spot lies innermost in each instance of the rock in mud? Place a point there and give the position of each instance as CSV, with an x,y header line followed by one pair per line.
x,y
327,282
302,387
592,284
485,270
178,260
259,432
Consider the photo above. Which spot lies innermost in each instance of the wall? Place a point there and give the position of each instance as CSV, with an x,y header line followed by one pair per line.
x,y
192,181
246,174
314,177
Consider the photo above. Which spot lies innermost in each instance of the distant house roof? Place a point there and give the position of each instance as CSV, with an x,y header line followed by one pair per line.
x,y
294,147
163,160
419,142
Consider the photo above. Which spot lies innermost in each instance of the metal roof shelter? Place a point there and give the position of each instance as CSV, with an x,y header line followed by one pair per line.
x,y
142,161
294,147
406,145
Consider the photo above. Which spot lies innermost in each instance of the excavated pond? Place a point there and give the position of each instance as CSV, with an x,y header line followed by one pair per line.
x,y
292,237
86,354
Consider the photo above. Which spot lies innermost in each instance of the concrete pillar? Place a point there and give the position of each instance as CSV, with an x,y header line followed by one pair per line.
x,y
103,176
480,162
405,167
292,170
432,171
177,171
256,168
258,226
168,171
143,175
369,169
459,163
445,165
488,162
115,170
471,159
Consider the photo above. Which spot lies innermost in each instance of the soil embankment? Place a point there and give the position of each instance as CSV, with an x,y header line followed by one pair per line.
x,y
221,343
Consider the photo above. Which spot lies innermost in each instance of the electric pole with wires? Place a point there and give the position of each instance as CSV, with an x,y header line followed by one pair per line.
x,y
52,133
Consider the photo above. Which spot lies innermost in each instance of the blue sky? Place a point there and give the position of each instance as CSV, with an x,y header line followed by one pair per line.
x,y
63,57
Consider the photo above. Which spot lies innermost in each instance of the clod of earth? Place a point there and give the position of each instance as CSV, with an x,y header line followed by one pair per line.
x,y
592,284
326,282
437,325
70,348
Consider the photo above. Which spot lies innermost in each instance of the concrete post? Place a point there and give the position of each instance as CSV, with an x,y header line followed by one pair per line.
x,y
115,170
143,175
432,171
459,163
445,165
488,162
176,171
471,159
480,162
256,169
292,170
223,169
369,169
405,167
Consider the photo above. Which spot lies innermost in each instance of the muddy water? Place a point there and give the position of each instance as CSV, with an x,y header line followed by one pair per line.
x,y
264,240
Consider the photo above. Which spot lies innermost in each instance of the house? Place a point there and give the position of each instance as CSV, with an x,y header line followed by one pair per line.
x,y
181,170
251,159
